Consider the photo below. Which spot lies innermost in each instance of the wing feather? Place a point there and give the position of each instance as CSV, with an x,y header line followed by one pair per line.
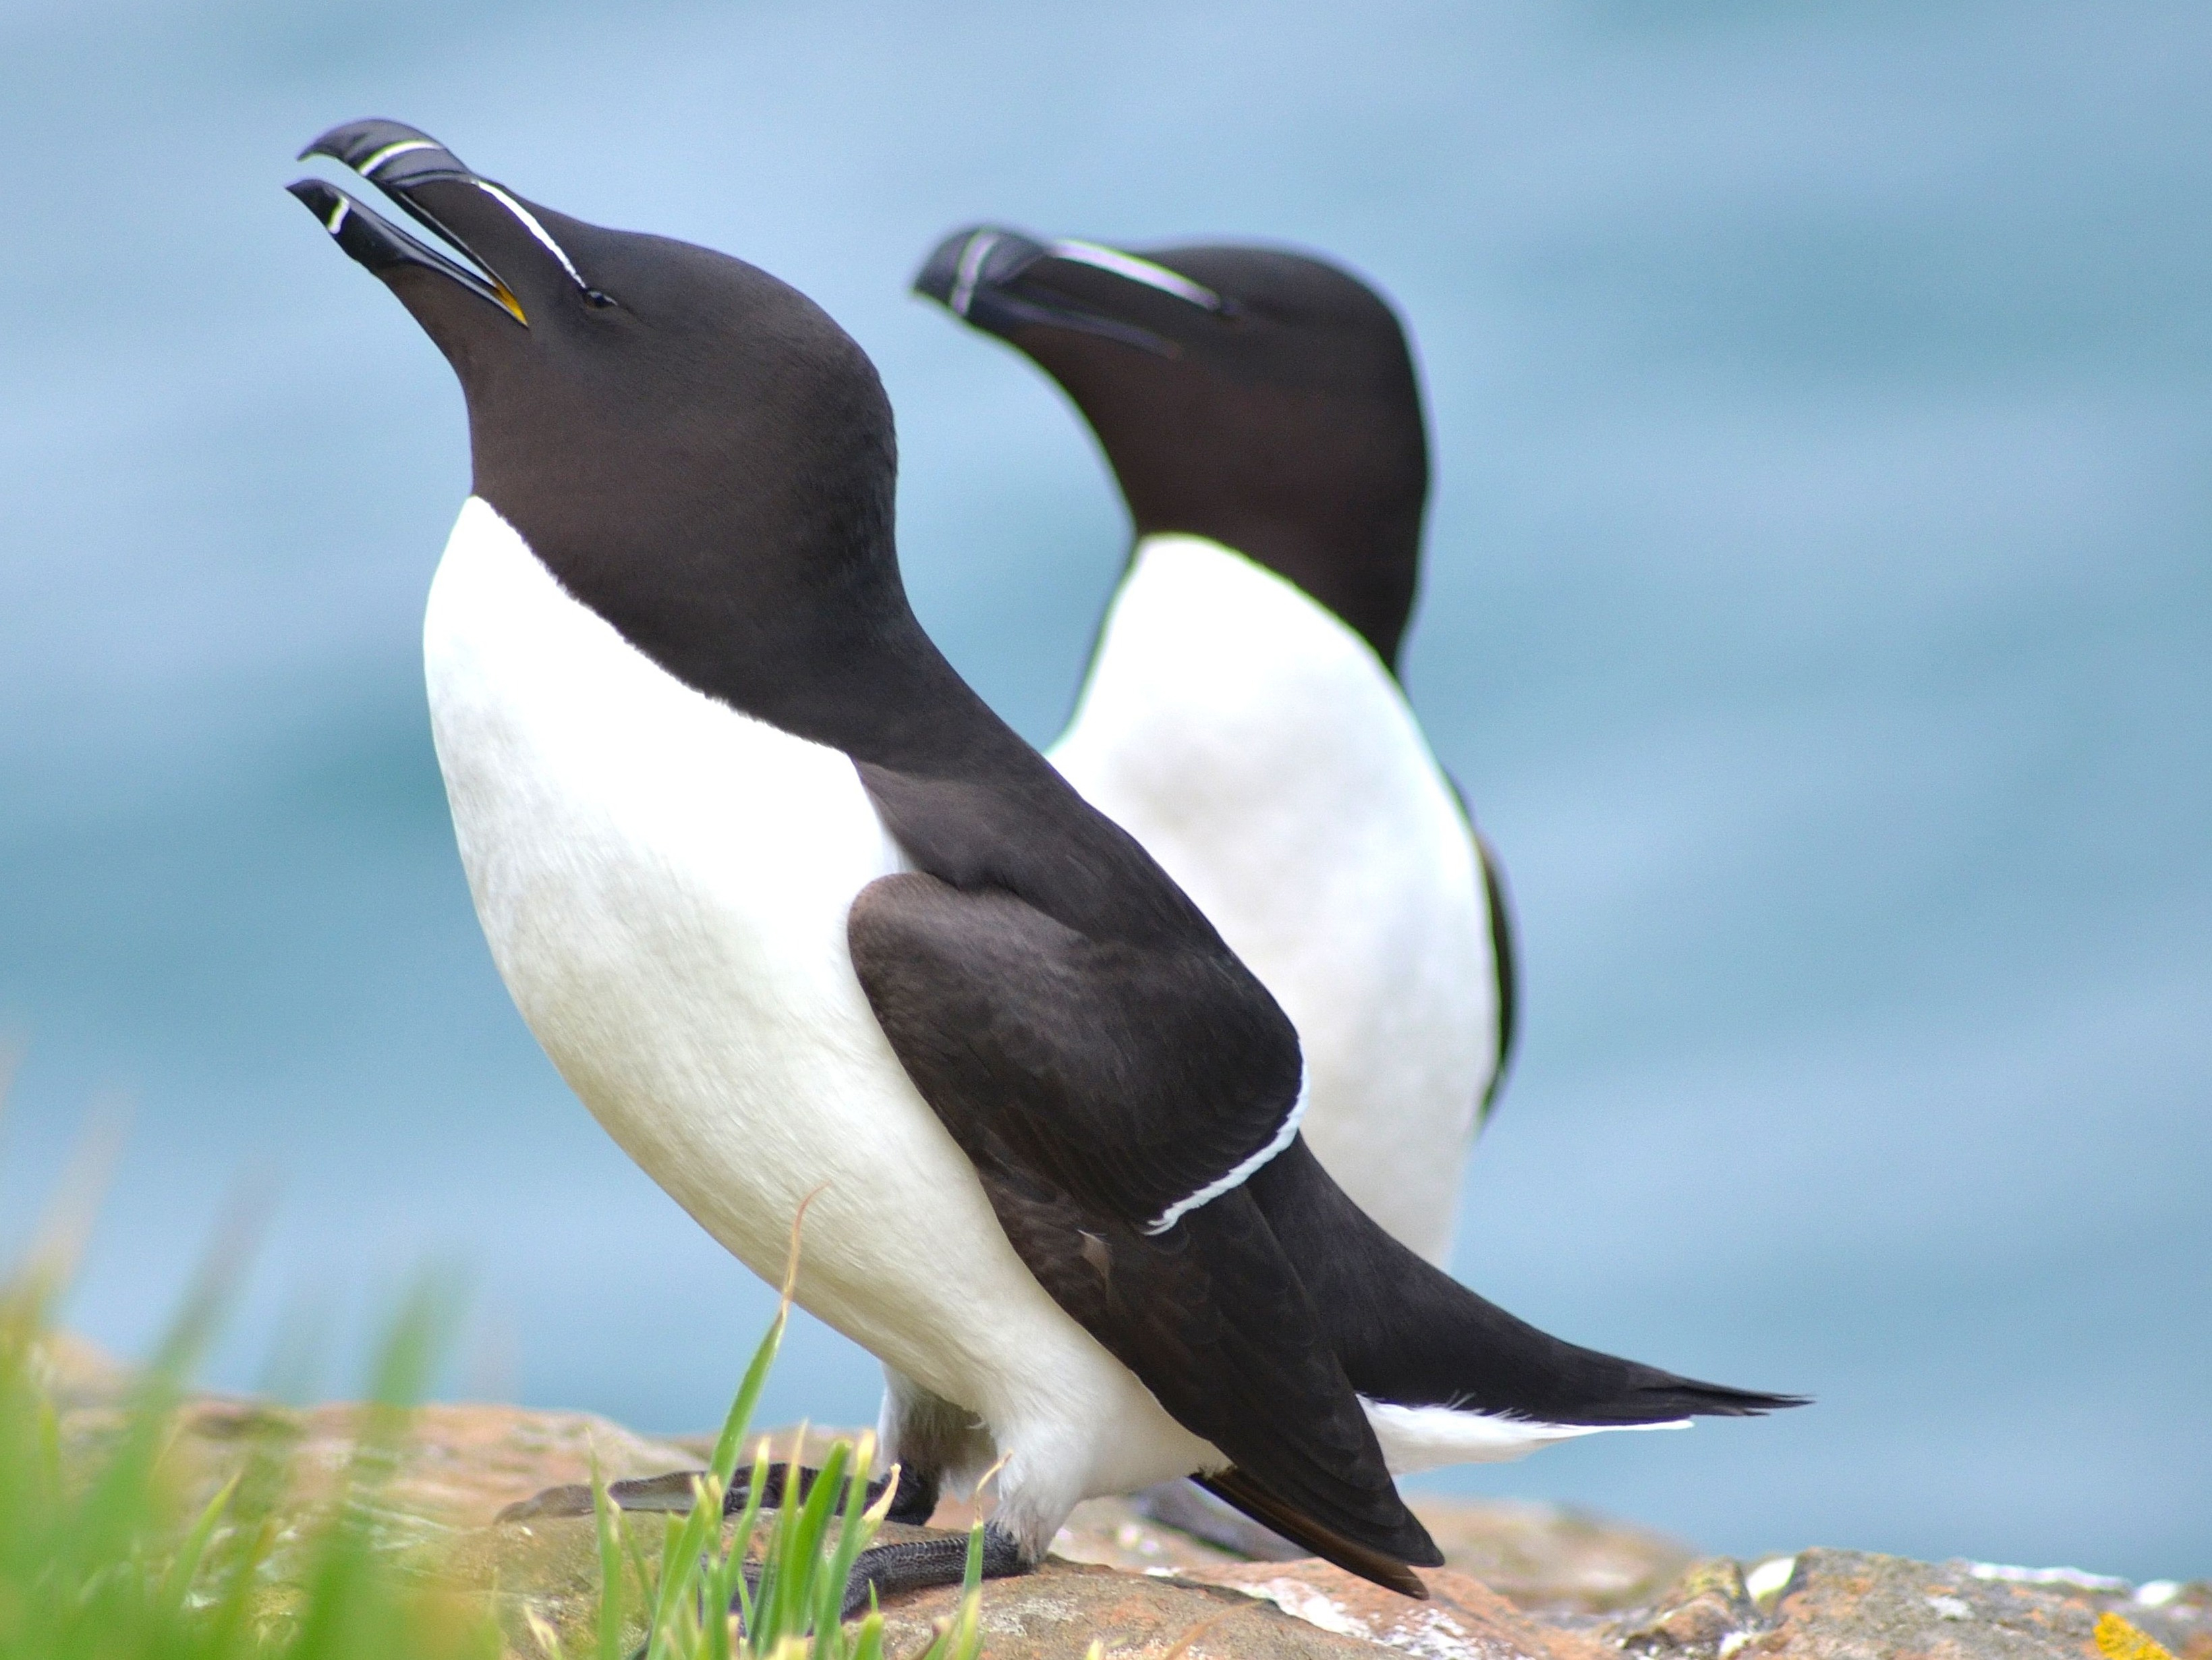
x,y
1091,1084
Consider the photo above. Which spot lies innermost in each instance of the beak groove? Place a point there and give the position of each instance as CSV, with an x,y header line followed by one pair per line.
x,y
980,274
1148,273
374,243
388,153
396,157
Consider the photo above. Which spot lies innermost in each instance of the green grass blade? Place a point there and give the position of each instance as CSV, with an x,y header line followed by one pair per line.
x,y
668,1586
741,1542
224,1630
811,1537
640,1568
868,1641
101,1559
735,1423
177,1582
963,1640
726,1578
612,1586
856,1530
49,1457
772,1602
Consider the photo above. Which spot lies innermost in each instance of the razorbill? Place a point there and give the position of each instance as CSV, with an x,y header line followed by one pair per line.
x,y
1241,714
796,915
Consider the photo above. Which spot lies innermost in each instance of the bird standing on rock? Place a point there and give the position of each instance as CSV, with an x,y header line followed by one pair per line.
x,y
795,914
1241,715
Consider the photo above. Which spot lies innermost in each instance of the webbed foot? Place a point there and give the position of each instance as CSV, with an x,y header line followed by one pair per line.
x,y
923,1564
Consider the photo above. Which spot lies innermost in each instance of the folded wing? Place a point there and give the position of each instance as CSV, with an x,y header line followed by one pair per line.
x,y
1098,1084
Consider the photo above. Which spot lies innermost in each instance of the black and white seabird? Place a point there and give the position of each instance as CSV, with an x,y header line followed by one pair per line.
x,y
1241,715
795,914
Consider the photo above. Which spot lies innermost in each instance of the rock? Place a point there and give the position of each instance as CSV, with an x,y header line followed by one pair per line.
x,y
1552,1560
1707,1611
1462,1619
1563,1564
1523,1582
1851,1605
1190,1509
1057,1613
1181,1592
74,1372
546,1572
426,1493
454,1468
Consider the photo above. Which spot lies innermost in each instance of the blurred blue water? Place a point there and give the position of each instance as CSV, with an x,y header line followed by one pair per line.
x,y
1817,612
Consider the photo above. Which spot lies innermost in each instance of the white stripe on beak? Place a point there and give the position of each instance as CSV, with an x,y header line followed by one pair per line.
x,y
971,270
1137,271
528,220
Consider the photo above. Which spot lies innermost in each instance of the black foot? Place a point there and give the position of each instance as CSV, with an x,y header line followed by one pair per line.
x,y
916,1500
921,1564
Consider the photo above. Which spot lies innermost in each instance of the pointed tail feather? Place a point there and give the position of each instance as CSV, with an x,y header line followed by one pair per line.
x,y
1233,1485
1665,1396
1409,1333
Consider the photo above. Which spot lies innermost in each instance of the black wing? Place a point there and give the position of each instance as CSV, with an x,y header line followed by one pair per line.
x,y
1133,1078
1139,1061
1505,962
1094,1084
1505,967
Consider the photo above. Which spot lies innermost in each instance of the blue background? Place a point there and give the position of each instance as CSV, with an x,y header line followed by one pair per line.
x,y
1817,612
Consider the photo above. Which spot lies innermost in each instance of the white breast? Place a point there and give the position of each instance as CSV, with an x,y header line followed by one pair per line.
x,y
1261,752
663,883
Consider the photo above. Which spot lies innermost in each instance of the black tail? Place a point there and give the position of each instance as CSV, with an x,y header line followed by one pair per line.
x,y
1257,1502
1408,1333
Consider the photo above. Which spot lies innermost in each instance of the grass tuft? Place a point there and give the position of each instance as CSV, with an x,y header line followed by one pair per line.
x,y
107,1554
102,1557
746,1589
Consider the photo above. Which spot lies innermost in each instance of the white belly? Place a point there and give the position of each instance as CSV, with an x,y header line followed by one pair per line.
x,y
663,883
1260,750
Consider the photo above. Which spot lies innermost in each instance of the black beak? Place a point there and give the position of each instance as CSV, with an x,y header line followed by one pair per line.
x,y
380,247
389,153
982,259
439,191
999,280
